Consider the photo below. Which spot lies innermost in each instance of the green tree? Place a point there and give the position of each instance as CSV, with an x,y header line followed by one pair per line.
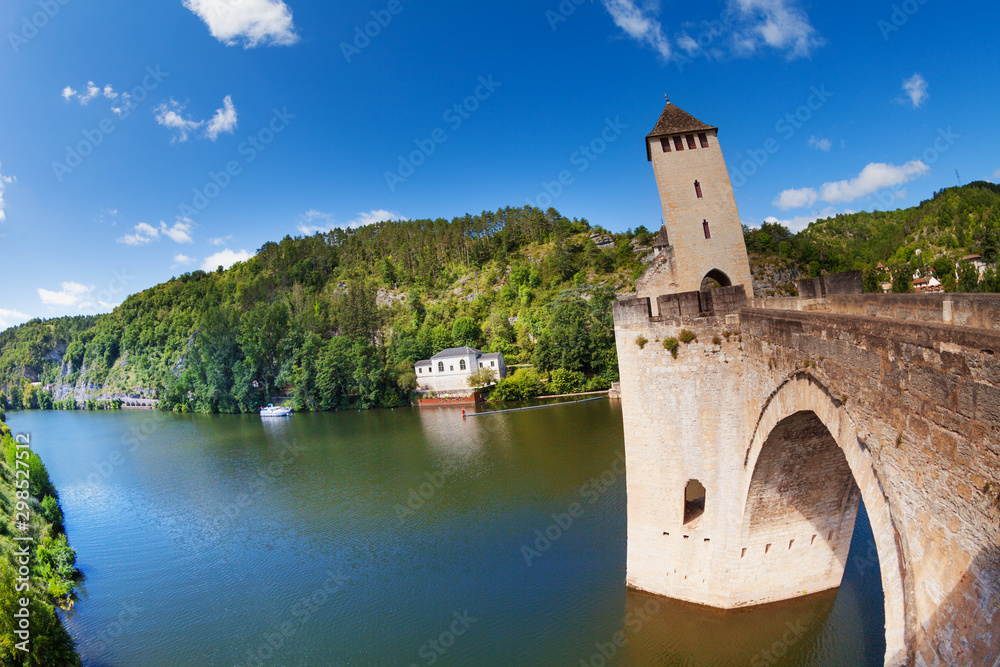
x,y
465,332
902,279
968,277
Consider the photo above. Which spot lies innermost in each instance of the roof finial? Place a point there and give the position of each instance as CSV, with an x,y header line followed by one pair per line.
x,y
666,98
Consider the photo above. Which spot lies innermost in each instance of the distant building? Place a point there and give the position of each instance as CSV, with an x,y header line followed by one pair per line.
x,y
927,284
449,370
977,261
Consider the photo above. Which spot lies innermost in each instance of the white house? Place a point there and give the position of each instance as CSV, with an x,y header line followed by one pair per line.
x,y
449,370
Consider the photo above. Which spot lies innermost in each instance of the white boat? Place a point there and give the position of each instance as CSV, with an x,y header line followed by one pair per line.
x,y
271,411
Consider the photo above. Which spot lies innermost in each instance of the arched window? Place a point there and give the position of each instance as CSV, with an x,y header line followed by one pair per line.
x,y
697,189
694,500
461,365
440,367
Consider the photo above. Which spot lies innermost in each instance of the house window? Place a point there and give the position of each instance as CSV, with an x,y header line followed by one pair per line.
x,y
678,143
420,370
440,367
461,364
451,368
493,363
704,140
690,139
665,145
694,500
697,189
708,232
480,364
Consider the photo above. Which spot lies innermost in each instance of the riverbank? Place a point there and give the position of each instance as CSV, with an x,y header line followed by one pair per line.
x,y
38,573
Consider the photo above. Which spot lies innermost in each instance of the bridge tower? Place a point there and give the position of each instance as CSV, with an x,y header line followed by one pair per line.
x,y
702,237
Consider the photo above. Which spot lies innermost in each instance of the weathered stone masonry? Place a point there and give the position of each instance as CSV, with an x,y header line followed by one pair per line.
x,y
806,406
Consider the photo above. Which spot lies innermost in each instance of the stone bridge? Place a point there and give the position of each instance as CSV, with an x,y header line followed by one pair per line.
x,y
748,451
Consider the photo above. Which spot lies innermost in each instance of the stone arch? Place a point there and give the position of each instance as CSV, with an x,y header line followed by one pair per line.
x,y
715,278
802,393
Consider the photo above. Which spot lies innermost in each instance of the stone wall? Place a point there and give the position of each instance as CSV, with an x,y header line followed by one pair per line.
x,y
913,405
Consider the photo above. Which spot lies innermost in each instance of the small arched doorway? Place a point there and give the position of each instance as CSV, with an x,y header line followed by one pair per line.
x,y
715,279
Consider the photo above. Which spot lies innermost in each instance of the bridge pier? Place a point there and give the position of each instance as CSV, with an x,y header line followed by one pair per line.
x,y
804,407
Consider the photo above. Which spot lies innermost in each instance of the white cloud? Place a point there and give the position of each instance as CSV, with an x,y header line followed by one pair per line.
x,y
169,115
916,89
222,240
800,222
71,294
109,92
225,259
4,182
145,233
754,25
795,198
92,92
640,24
180,232
181,260
255,22
874,177
223,121
313,221
821,144
68,93
777,24
9,318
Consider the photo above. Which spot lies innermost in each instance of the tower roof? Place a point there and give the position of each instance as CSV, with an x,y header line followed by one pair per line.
x,y
675,120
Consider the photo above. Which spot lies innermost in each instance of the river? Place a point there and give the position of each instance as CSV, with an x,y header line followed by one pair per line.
x,y
404,537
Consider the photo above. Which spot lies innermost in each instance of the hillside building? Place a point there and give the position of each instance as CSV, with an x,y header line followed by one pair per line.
x,y
449,370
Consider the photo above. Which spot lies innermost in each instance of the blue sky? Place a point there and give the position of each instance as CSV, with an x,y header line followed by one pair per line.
x,y
139,141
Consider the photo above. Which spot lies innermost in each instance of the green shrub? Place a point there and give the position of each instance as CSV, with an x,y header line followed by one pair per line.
x,y
641,342
671,344
566,382
687,336
522,384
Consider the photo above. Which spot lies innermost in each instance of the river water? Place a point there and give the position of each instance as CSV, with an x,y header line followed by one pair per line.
x,y
404,537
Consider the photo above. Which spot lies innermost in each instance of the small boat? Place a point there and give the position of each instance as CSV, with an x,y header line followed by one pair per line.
x,y
271,411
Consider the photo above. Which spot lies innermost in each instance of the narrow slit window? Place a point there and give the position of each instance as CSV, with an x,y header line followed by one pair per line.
x,y
694,501
703,138
690,139
665,145
678,143
697,189
708,232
